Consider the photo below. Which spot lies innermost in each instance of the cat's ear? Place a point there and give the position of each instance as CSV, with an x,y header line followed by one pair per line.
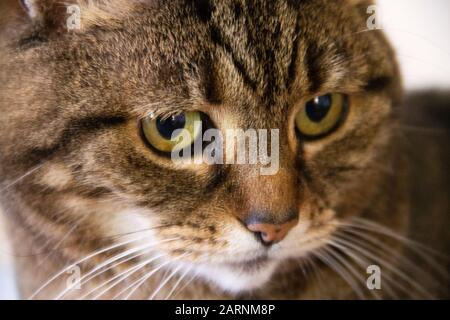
x,y
76,15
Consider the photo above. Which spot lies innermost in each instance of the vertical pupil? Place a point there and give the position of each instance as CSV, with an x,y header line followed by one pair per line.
x,y
168,126
318,108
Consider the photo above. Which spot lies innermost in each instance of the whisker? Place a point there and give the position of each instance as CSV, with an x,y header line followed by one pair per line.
x,y
346,265
405,261
386,265
90,256
386,276
105,238
109,268
371,225
308,270
123,276
180,279
135,285
316,272
364,263
58,244
332,263
421,250
22,177
82,281
188,282
174,272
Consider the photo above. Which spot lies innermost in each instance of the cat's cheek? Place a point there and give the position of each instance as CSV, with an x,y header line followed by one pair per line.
x,y
241,241
131,224
309,235
291,246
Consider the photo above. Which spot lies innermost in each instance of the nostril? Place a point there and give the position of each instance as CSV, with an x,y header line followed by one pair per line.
x,y
271,233
263,238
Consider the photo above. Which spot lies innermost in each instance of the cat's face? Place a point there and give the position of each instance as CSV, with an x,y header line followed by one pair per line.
x,y
242,64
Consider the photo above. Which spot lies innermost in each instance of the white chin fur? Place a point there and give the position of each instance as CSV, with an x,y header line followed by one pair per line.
x,y
234,280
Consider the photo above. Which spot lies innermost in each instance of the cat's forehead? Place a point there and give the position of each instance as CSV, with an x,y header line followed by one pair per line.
x,y
233,46
263,48
256,54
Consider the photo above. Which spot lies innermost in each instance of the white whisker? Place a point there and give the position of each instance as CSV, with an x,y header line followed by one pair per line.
x,y
135,285
22,177
421,250
370,225
180,279
387,265
109,268
364,263
58,244
174,272
316,272
95,253
340,271
122,276
405,261
188,282
348,266
82,281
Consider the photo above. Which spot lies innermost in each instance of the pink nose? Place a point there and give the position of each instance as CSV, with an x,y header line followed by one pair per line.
x,y
272,233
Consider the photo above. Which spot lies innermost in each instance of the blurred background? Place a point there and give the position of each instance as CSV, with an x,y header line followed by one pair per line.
x,y
418,29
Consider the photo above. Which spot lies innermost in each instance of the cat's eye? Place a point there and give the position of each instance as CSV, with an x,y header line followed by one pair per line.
x,y
321,115
172,133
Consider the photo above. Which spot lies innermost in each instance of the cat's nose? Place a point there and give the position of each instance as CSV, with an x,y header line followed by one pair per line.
x,y
270,233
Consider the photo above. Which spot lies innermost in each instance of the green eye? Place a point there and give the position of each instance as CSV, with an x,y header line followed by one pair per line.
x,y
321,115
173,133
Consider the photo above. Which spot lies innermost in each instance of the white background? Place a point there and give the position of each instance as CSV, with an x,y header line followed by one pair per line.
x,y
419,30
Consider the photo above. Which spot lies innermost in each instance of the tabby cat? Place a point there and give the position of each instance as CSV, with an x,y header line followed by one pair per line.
x,y
91,93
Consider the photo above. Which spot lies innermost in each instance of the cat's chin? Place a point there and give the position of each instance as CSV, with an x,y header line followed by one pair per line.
x,y
239,277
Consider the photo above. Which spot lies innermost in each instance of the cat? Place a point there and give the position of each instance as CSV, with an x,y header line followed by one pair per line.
x,y
97,209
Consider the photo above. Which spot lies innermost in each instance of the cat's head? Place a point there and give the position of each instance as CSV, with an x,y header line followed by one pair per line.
x,y
91,93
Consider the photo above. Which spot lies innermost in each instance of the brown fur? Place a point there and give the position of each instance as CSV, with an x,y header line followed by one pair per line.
x,y
70,102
